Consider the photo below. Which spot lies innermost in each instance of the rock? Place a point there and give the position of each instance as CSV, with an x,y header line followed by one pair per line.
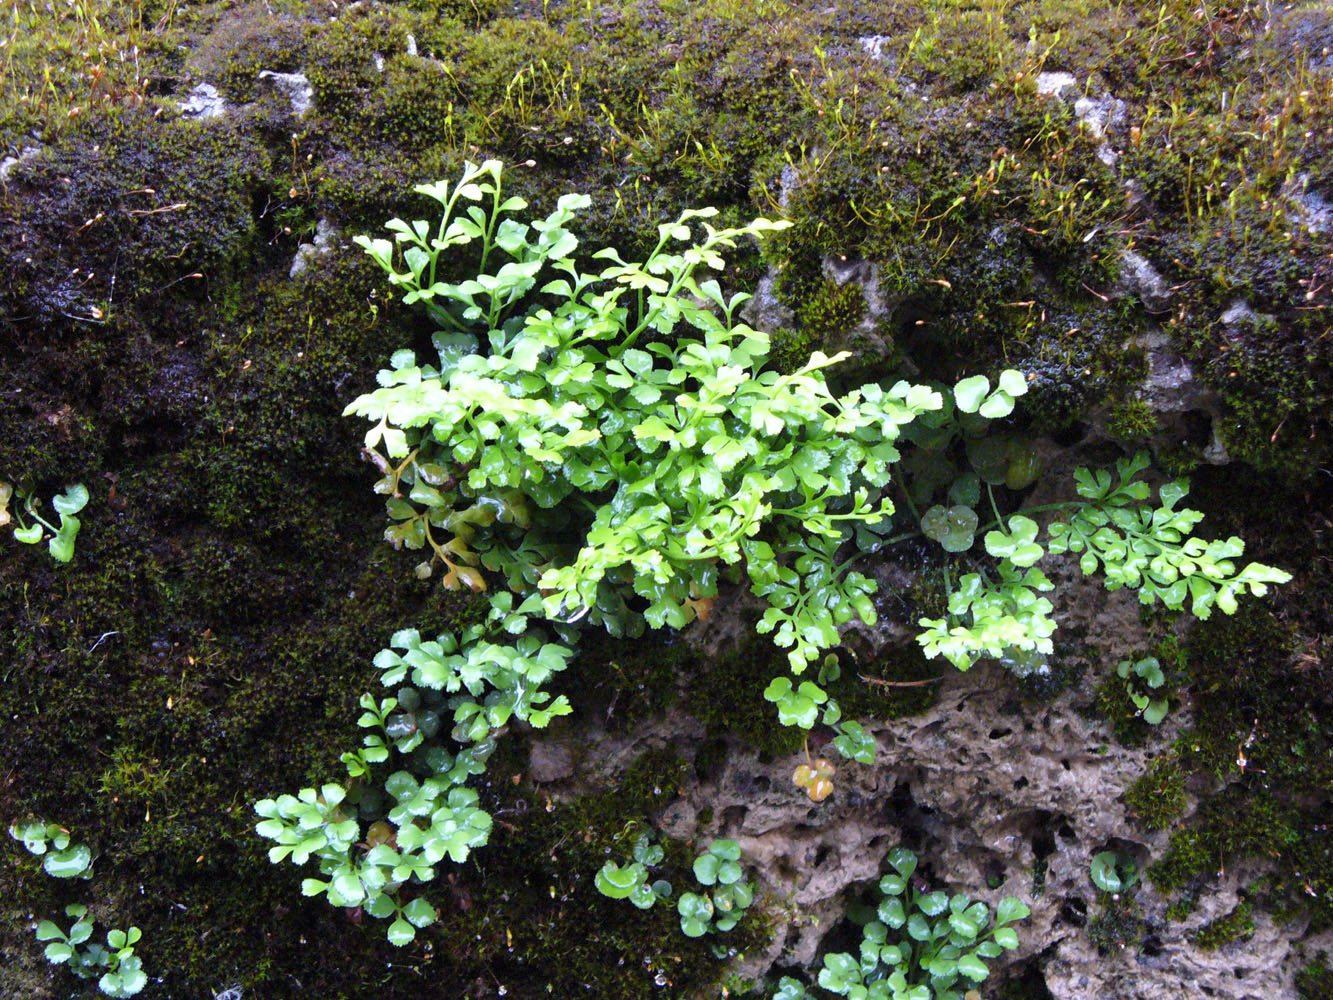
x,y
764,311
294,86
10,163
873,45
1172,385
1139,277
1311,209
1216,452
549,762
204,101
1061,85
1099,115
326,235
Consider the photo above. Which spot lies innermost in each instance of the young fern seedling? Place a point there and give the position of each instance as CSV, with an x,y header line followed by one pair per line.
x,y
919,945
59,538
61,856
119,972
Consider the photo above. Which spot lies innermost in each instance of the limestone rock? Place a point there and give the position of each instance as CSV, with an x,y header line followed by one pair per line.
x,y
1060,85
203,102
294,86
1139,277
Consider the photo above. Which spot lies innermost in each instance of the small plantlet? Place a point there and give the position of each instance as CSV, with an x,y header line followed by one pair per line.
x,y
919,946
816,778
118,970
717,909
721,909
59,538
631,881
406,787
1142,680
61,856
1112,872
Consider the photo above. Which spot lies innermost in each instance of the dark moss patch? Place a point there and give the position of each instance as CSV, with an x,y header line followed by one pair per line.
x,y
1158,797
1234,926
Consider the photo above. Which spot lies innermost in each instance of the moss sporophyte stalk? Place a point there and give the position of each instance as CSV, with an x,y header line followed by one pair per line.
x,y
600,442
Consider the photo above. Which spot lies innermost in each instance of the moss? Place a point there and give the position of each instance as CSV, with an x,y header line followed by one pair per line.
x,y
832,311
791,349
1157,798
1315,980
1118,924
727,697
207,643
1132,419
1182,907
1237,924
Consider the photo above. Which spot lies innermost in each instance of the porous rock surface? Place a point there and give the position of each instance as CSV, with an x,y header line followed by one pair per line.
x,y
999,795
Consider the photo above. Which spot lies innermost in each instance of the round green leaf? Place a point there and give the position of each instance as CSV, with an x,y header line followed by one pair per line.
x,y
969,393
616,882
973,967
999,404
30,535
1103,872
903,861
69,863
933,904
73,500
401,933
706,868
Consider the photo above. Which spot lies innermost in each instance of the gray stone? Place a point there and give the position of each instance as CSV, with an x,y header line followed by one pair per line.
x,y
1311,209
326,235
1101,114
1139,277
10,163
1238,314
1061,85
874,45
1172,387
549,762
203,101
294,86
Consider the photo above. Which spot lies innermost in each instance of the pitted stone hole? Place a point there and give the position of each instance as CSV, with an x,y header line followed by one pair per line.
x,y
733,817
1043,840
1065,831
1070,436
1074,911
1020,784
1152,946
752,784
999,734
1065,764
1240,973
822,854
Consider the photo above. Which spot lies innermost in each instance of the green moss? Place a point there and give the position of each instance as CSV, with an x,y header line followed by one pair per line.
x,y
1237,924
791,349
1118,924
1157,798
834,310
1182,907
727,697
1132,419
1315,981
